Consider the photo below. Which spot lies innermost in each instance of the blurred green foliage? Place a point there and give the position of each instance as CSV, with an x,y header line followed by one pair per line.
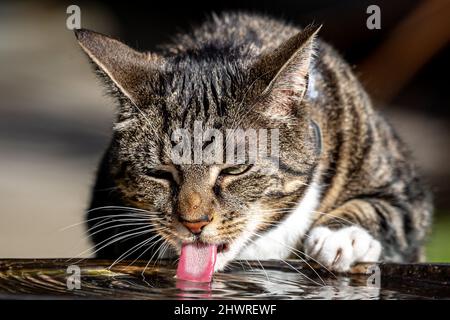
x,y
438,248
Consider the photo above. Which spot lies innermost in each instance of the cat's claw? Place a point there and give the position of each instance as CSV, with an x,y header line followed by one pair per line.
x,y
339,249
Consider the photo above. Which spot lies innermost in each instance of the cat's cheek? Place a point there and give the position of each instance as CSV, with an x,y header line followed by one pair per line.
x,y
339,249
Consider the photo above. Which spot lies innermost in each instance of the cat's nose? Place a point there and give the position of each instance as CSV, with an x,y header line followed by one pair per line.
x,y
194,200
196,226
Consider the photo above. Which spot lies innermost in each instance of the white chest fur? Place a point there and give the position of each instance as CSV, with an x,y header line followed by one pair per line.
x,y
279,242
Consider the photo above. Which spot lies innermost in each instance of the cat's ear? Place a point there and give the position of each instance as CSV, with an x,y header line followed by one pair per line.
x,y
286,70
124,68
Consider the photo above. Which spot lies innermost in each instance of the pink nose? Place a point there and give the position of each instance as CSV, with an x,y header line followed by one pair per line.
x,y
196,226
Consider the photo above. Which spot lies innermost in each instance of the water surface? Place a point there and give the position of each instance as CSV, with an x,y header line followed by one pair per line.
x,y
292,279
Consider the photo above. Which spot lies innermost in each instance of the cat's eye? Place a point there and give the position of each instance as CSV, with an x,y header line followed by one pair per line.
x,y
236,170
160,174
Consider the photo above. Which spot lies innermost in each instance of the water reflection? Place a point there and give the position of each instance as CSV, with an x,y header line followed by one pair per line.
x,y
48,278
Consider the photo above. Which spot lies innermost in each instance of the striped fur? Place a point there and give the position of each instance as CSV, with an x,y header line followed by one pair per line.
x,y
249,71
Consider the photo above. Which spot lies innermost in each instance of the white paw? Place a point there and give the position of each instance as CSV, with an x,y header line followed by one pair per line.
x,y
339,249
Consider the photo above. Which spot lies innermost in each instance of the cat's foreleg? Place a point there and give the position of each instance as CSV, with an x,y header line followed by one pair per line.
x,y
357,231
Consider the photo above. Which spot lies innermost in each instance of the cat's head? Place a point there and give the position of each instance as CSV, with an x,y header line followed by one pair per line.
x,y
214,86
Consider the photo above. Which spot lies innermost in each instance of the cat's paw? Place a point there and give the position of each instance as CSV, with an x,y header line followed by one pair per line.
x,y
339,249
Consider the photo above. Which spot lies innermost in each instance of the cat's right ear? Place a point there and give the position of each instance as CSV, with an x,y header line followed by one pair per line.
x,y
123,68
285,72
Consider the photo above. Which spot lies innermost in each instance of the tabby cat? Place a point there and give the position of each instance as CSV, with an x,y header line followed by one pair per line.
x,y
344,189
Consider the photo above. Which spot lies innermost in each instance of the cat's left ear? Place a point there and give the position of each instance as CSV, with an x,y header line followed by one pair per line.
x,y
287,71
122,68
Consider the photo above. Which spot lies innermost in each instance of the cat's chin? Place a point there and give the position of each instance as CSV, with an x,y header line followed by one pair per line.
x,y
224,257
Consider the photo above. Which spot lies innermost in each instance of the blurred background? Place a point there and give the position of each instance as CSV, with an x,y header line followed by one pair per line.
x,y
55,120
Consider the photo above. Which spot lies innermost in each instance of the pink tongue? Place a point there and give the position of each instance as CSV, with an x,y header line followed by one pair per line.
x,y
197,262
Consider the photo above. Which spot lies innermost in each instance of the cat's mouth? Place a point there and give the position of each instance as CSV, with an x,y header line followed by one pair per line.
x,y
223,247
197,260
